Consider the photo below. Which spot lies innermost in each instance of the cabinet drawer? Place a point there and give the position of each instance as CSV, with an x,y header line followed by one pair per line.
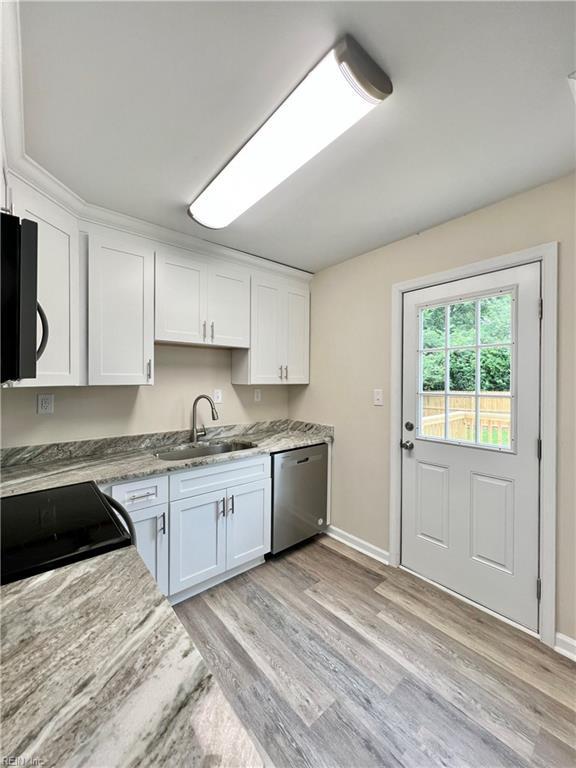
x,y
143,493
204,479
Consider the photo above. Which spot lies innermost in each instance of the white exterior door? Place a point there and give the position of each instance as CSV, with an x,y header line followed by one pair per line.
x,y
121,308
197,539
297,366
249,523
228,305
180,296
58,285
151,526
470,413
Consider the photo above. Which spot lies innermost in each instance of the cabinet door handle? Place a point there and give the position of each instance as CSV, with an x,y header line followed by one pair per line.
x,y
232,504
280,374
223,500
212,331
163,518
148,370
204,331
286,372
137,497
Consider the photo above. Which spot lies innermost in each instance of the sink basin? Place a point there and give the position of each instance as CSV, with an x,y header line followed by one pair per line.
x,y
195,450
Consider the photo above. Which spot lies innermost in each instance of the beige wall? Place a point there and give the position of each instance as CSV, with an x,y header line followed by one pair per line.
x,y
181,373
351,354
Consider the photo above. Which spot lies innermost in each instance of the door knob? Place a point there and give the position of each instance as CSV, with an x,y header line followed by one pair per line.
x,y
408,445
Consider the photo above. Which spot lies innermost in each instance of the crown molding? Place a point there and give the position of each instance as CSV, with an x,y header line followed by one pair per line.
x,y
21,165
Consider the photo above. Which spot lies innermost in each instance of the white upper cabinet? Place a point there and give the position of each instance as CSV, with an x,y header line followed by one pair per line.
x,y
181,290
228,304
200,300
120,308
297,366
58,285
279,349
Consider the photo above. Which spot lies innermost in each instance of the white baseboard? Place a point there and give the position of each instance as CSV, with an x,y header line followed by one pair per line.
x,y
566,646
359,544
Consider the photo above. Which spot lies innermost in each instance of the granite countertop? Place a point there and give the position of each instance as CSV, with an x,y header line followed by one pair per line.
x,y
97,670
108,460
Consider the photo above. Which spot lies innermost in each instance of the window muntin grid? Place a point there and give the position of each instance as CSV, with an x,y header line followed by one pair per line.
x,y
466,360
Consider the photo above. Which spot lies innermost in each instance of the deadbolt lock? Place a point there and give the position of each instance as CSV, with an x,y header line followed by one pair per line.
x,y
409,426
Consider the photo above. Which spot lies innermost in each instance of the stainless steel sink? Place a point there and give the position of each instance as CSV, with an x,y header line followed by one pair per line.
x,y
195,450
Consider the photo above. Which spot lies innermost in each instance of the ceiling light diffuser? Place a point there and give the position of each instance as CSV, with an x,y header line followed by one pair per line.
x,y
343,87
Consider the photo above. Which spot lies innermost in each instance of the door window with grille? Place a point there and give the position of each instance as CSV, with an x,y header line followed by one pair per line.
x,y
466,364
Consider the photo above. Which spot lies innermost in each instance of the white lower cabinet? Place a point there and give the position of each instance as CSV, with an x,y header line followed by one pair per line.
x,y
218,531
248,524
196,525
197,539
152,536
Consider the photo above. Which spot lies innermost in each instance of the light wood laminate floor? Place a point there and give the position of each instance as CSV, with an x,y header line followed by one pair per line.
x,y
331,659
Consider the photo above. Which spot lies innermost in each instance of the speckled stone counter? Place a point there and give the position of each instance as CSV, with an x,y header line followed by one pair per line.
x,y
37,467
97,670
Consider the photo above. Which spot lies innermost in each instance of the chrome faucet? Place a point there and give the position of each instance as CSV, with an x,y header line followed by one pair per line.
x,y
195,431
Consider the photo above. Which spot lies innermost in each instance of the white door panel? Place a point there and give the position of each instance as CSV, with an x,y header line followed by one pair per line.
x,y
121,308
58,285
297,335
151,526
470,484
181,280
229,305
268,332
249,523
197,539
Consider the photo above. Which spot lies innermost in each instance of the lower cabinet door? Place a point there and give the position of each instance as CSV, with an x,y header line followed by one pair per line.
x,y
249,522
151,526
197,539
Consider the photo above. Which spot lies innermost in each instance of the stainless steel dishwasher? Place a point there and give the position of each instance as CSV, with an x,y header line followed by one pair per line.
x,y
299,495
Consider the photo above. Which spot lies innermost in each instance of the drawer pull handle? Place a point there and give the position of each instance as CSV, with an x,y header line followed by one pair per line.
x,y
136,497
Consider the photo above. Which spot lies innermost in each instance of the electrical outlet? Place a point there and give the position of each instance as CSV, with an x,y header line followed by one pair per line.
x,y
217,396
257,395
378,397
45,405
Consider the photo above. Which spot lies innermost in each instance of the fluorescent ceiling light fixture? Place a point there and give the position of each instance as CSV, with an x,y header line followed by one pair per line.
x,y
343,87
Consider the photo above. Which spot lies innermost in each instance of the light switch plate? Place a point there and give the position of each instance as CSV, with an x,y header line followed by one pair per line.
x,y
378,397
257,395
45,405
217,396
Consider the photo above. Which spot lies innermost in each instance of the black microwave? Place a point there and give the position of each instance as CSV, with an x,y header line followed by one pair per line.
x,y
19,350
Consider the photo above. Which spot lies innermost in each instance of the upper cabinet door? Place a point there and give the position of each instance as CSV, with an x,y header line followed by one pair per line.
x,y
58,285
297,366
228,305
120,308
181,280
268,331
280,334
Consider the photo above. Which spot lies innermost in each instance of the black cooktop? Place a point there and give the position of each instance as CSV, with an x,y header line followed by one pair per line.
x,y
48,529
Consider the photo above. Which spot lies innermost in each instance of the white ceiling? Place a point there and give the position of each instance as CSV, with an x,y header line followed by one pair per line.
x,y
136,105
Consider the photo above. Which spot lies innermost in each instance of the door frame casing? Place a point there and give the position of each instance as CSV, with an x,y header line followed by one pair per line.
x,y
547,255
